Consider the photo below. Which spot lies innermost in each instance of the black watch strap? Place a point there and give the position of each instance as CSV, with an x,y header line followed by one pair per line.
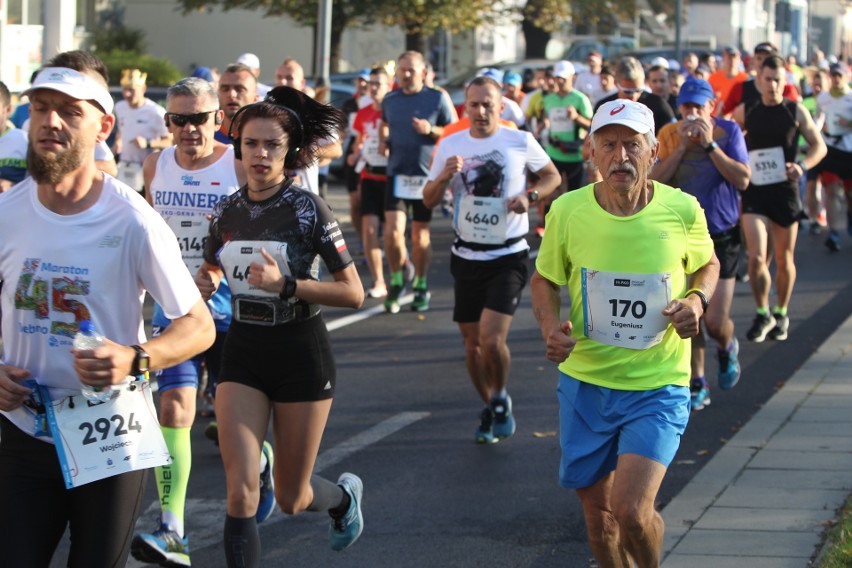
x,y
141,361
711,146
532,196
705,303
289,289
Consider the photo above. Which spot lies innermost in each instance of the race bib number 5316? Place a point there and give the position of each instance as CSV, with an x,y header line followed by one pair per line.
x,y
625,310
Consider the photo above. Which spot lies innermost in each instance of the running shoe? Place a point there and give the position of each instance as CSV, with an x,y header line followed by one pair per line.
x,y
392,301
345,530
760,327
815,228
729,366
779,332
164,547
699,394
421,300
504,420
266,505
833,241
485,432
377,291
212,432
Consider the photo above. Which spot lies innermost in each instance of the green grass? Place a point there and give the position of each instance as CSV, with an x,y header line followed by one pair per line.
x,y
838,551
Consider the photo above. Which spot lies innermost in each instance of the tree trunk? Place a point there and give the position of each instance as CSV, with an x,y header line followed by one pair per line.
x,y
414,39
536,39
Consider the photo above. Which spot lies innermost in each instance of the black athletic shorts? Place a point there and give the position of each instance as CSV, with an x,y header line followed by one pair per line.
x,y
494,284
413,207
291,362
782,206
373,197
727,245
573,171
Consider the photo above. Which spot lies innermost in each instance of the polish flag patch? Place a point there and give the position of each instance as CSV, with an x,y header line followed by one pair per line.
x,y
215,183
340,245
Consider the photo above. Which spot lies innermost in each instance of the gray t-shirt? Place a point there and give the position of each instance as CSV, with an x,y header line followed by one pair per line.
x,y
410,152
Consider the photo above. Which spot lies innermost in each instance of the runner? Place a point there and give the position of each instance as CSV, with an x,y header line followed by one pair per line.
x,y
413,117
771,205
707,158
269,238
640,270
13,145
485,169
237,88
186,181
139,128
77,245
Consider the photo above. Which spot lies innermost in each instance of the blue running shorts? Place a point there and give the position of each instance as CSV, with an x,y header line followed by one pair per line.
x,y
598,424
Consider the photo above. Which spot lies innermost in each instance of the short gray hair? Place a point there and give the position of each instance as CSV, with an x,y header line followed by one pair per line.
x,y
193,87
630,69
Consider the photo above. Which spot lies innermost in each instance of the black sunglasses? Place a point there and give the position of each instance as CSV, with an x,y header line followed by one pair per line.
x,y
628,92
196,119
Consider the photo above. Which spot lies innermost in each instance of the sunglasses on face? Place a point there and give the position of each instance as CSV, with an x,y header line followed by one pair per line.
x,y
628,92
196,119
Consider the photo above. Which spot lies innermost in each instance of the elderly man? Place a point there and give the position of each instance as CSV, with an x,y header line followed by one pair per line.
x,y
639,265
79,246
485,168
707,158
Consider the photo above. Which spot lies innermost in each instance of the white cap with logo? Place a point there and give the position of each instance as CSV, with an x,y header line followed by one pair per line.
x,y
563,69
74,84
633,115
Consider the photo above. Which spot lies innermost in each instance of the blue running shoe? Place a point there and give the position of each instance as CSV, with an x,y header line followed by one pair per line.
x,y
699,394
344,531
729,366
266,505
504,421
164,547
485,432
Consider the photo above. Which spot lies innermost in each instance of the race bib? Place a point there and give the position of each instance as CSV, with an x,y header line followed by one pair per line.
x,y
559,121
625,310
236,258
408,187
191,233
99,440
482,219
832,121
370,152
767,166
131,174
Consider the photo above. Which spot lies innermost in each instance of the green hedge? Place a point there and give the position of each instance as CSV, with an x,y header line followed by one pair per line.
x,y
160,71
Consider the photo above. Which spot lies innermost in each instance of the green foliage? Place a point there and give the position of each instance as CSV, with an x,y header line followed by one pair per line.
x,y
160,71
118,38
548,15
838,547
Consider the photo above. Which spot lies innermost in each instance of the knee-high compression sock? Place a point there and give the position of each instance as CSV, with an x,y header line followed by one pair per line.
x,y
327,495
242,543
173,479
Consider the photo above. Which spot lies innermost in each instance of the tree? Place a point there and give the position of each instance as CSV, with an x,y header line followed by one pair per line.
x,y
540,19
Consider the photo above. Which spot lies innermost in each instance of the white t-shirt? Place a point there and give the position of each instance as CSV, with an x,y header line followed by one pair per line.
x,y
512,111
145,121
589,84
61,269
834,108
309,177
494,167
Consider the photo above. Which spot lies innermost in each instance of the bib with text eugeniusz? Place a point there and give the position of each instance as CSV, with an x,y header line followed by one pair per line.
x,y
625,310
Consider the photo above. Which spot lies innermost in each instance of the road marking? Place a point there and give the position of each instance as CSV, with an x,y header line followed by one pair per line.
x,y
206,517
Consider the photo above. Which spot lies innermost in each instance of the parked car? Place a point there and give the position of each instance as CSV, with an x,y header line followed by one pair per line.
x,y
646,55
608,47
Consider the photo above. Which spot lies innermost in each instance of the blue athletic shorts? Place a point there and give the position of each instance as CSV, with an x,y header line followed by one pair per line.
x,y
188,373
598,424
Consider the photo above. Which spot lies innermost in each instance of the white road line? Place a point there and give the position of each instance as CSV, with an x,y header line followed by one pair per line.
x,y
205,517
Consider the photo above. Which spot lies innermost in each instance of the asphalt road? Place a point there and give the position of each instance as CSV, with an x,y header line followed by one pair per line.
x,y
404,417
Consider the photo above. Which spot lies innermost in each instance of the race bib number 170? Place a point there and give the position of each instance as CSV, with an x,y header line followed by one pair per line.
x,y
625,310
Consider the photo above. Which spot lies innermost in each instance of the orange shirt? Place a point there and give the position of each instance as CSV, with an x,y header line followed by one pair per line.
x,y
722,84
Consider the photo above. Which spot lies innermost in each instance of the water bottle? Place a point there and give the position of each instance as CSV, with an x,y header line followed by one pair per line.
x,y
88,338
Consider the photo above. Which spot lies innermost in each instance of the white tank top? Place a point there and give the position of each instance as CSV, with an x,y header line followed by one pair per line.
x,y
184,198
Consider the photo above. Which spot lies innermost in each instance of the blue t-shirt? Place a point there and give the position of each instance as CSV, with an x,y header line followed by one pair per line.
x,y
697,174
410,152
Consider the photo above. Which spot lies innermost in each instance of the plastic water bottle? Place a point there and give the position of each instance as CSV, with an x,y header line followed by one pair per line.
x,y
88,338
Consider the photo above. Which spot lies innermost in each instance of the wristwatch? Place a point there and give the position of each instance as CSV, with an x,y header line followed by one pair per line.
x,y
289,288
711,146
141,361
705,303
532,196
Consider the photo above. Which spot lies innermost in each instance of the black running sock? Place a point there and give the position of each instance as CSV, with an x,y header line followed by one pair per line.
x,y
242,542
327,495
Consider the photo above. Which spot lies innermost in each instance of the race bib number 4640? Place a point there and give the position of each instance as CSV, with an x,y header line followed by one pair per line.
x,y
625,310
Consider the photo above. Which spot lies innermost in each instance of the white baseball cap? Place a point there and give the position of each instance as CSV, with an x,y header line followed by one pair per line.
x,y
661,61
249,60
633,115
74,84
563,69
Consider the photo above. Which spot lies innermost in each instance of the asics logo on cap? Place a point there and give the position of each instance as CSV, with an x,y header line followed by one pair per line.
x,y
615,111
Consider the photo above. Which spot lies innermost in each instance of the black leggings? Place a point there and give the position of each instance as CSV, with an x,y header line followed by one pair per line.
x,y
35,508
